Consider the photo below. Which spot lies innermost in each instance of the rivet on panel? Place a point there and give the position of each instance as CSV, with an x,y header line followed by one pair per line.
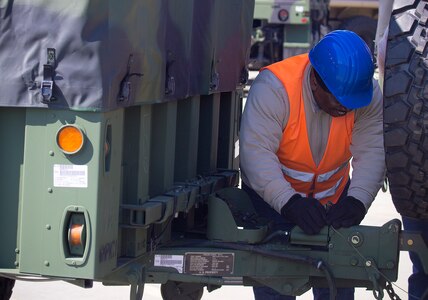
x,y
288,288
354,261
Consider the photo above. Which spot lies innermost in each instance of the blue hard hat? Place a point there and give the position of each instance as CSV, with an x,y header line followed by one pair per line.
x,y
345,64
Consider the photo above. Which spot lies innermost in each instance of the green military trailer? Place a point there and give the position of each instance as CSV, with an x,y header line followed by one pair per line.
x,y
123,118
119,158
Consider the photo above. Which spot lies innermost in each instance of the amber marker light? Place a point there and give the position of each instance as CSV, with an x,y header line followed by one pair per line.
x,y
76,235
70,139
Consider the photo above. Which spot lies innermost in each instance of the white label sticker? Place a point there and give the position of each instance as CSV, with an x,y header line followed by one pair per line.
x,y
236,149
70,176
172,261
300,8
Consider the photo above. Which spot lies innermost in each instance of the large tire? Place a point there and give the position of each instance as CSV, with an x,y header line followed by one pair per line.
x,y
364,26
173,290
405,109
6,286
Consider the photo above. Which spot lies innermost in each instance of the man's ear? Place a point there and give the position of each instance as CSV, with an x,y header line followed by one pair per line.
x,y
313,81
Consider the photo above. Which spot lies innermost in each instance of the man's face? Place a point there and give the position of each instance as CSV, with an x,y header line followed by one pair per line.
x,y
324,98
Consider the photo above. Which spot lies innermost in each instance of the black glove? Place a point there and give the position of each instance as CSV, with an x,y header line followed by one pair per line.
x,y
347,212
307,213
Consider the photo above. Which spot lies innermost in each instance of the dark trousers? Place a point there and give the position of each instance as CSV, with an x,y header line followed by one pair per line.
x,y
418,281
279,223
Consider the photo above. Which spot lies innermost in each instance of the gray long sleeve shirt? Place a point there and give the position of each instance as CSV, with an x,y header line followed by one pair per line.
x,y
264,120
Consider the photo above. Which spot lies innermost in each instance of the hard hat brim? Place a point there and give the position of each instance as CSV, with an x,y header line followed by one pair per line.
x,y
357,100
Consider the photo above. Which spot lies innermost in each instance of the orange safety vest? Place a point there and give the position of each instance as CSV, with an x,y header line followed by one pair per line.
x,y
326,181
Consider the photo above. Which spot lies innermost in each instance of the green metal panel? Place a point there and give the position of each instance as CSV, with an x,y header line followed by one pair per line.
x,y
12,132
44,204
297,36
135,181
208,133
131,151
164,120
298,40
186,148
136,154
230,229
228,145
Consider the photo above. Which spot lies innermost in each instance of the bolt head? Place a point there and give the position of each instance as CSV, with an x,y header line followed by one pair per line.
x,y
355,239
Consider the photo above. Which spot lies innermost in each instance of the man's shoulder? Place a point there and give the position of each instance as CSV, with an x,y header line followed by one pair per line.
x,y
266,77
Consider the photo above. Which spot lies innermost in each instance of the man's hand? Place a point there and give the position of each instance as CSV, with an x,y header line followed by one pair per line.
x,y
347,212
307,213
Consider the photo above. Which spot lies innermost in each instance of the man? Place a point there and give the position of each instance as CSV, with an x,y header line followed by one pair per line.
x,y
304,119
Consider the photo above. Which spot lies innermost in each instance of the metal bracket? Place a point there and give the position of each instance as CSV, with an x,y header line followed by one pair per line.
x,y
136,279
373,275
47,90
413,241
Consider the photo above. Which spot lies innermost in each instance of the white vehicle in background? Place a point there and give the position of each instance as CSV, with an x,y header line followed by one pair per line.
x,y
283,28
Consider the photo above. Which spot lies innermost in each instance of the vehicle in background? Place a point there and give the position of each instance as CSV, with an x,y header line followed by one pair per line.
x,y
283,28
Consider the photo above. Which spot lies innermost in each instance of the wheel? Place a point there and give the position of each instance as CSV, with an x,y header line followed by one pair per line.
x,y
405,110
6,286
364,26
173,290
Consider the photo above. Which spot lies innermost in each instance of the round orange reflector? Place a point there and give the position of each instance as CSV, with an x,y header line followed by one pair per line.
x,y
76,238
70,139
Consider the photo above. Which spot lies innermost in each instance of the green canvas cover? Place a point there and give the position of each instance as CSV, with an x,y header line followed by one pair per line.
x,y
110,54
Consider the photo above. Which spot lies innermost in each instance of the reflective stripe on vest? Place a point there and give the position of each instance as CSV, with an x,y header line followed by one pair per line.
x,y
309,177
330,192
327,180
298,175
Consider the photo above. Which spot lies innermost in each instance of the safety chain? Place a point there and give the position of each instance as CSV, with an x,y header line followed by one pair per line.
x,y
390,290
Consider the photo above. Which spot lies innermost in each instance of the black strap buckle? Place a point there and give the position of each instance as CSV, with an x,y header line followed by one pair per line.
x,y
47,85
46,89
